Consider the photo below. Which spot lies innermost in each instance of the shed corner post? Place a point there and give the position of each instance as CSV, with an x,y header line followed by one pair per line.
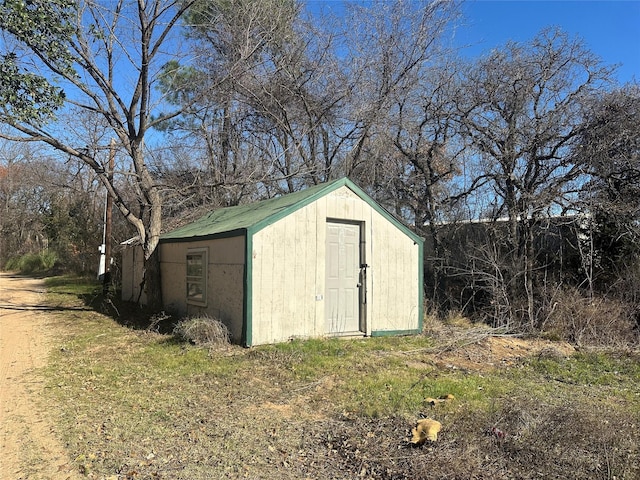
x,y
247,327
420,244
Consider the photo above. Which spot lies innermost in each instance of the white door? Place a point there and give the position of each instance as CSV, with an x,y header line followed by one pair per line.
x,y
343,271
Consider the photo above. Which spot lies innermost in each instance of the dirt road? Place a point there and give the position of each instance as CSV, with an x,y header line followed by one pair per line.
x,y
30,449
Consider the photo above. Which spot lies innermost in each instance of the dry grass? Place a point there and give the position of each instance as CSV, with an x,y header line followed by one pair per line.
x,y
541,441
137,405
203,331
598,321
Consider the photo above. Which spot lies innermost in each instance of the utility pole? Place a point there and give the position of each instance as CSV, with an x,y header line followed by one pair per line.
x,y
106,279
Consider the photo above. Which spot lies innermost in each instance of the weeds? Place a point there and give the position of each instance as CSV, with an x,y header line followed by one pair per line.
x,y
203,331
137,404
597,321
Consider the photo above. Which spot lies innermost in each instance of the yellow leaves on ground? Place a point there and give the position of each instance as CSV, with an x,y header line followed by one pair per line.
x,y
434,401
426,429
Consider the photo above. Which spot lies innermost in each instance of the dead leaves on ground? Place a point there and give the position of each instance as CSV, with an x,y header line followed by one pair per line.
x,y
434,401
425,429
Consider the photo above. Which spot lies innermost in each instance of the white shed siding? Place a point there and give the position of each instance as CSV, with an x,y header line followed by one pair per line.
x,y
395,273
288,277
132,268
225,280
283,279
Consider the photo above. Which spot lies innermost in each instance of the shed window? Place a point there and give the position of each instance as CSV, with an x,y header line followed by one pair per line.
x,y
197,276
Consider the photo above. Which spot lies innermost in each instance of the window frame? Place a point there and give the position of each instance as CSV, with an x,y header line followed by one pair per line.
x,y
199,299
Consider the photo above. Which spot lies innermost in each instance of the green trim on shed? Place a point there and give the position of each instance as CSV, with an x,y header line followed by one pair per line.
x,y
247,325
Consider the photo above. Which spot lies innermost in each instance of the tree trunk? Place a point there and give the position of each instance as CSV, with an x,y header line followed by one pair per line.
x,y
529,266
152,279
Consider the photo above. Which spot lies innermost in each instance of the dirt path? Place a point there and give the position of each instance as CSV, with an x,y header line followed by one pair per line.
x,y
30,449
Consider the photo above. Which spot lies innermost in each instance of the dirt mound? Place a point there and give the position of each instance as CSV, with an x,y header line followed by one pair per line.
x,y
498,351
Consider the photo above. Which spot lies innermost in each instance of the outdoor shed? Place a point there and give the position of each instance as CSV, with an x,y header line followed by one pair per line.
x,y
325,261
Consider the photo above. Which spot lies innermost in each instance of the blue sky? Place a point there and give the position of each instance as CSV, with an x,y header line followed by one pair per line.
x,y
610,29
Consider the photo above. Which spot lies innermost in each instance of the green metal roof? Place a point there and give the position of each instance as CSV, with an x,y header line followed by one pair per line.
x,y
242,217
233,221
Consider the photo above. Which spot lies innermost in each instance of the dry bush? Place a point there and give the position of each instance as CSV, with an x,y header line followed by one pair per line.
x,y
436,326
204,331
598,321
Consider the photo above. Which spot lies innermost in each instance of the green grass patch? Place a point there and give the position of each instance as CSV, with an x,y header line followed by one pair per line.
x,y
71,285
136,404
592,368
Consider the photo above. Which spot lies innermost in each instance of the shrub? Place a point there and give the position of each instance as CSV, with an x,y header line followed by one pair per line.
x,y
33,262
204,331
598,321
48,259
12,264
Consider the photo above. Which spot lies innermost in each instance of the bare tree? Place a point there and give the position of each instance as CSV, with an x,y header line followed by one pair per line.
x,y
309,96
101,58
48,206
391,48
278,87
522,112
608,150
21,204
229,40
